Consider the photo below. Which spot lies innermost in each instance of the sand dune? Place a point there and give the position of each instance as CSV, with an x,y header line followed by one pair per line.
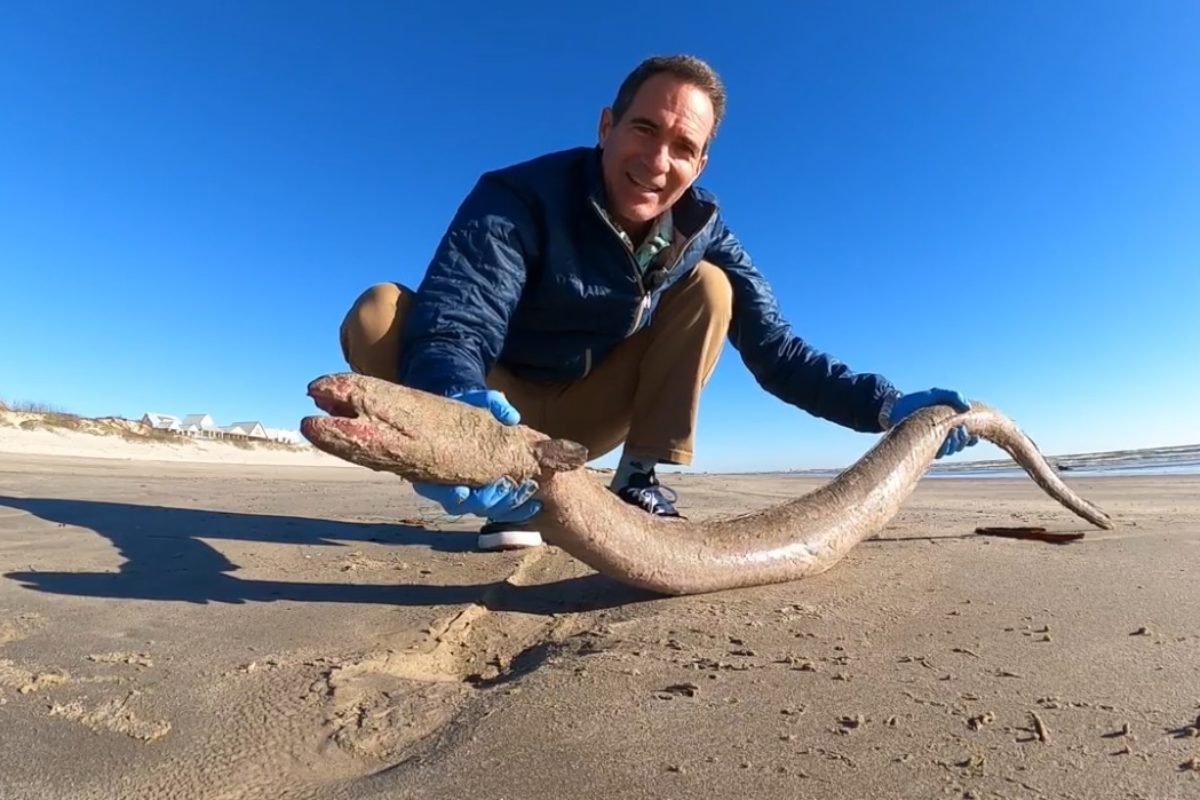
x,y
28,433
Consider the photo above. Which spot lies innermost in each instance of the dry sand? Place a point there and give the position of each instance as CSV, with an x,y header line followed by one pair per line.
x,y
182,630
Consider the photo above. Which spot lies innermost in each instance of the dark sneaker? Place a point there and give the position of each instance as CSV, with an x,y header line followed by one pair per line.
x,y
645,492
508,536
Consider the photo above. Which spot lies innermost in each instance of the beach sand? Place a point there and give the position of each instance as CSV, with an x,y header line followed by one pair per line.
x,y
190,630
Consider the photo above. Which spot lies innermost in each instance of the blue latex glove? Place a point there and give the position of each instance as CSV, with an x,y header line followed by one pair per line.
x,y
958,438
502,501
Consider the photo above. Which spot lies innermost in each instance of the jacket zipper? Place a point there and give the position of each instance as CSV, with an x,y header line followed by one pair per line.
x,y
645,301
604,218
644,306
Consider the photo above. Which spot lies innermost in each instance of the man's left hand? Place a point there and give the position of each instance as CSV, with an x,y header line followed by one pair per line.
x,y
958,438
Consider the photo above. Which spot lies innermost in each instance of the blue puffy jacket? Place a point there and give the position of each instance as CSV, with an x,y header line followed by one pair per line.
x,y
531,274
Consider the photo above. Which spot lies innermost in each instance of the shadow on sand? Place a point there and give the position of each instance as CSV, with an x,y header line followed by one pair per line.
x,y
167,559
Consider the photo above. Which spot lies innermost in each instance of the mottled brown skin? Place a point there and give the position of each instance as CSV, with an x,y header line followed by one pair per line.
x,y
426,438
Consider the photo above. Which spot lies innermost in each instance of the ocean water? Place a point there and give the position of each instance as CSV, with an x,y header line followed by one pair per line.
x,y
1152,462
1091,471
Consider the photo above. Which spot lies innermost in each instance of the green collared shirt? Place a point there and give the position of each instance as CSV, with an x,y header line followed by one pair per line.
x,y
659,238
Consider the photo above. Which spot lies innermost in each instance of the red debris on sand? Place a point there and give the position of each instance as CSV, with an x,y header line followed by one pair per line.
x,y
1037,534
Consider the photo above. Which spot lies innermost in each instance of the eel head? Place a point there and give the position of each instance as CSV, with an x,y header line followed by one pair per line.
x,y
356,423
387,426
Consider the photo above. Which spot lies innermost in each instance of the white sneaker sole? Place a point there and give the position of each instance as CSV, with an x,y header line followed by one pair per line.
x,y
509,540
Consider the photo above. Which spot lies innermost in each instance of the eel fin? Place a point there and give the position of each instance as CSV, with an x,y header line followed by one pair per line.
x,y
560,455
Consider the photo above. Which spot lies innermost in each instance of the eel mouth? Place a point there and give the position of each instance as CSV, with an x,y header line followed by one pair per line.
x,y
333,405
339,398
355,426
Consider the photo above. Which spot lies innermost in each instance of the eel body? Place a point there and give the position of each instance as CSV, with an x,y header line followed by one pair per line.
x,y
425,438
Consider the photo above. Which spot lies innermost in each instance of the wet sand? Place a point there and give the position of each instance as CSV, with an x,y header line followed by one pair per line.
x,y
175,630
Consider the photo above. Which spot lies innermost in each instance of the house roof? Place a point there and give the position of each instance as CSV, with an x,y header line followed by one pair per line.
x,y
244,427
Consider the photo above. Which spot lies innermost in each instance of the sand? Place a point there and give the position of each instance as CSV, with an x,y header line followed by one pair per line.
x,y
222,630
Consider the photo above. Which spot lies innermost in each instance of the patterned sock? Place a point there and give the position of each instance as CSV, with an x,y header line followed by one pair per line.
x,y
629,466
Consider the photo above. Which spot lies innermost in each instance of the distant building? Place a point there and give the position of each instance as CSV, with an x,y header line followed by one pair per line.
x,y
162,422
201,425
285,436
251,430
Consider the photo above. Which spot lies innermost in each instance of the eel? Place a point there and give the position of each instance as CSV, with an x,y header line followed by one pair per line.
x,y
426,438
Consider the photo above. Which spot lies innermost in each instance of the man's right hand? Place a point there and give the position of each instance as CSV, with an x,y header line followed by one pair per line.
x,y
502,501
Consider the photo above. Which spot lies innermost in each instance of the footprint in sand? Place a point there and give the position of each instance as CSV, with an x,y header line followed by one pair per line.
x,y
133,659
115,716
17,627
25,681
28,681
383,702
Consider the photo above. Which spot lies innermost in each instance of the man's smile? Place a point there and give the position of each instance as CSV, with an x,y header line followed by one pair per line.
x,y
645,187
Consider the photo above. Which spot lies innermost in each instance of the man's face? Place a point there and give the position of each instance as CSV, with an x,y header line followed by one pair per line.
x,y
656,151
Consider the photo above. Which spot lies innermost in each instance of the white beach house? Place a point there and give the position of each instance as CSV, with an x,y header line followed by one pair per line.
x,y
201,425
162,422
251,430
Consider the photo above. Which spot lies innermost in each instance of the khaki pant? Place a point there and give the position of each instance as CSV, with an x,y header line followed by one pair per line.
x,y
646,393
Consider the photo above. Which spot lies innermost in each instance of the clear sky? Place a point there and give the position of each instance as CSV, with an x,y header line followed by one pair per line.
x,y
1001,198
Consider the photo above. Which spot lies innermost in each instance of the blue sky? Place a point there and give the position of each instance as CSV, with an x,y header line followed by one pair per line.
x,y
1001,198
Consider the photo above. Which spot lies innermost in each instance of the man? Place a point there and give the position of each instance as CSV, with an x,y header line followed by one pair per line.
x,y
588,293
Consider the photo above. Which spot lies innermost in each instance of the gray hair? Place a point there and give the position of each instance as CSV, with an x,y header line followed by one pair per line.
x,y
688,69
